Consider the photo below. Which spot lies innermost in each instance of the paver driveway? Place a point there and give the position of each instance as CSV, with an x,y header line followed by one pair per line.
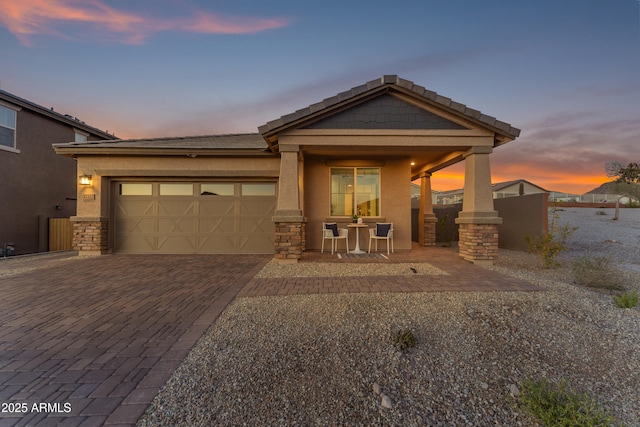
x,y
90,341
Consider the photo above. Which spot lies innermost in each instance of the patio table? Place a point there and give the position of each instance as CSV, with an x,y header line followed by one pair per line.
x,y
357,226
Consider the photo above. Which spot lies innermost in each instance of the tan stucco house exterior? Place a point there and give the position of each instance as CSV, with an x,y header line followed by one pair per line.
x,y
353,153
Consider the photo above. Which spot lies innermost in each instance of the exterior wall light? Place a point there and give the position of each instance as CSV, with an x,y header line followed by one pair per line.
x,y
86,180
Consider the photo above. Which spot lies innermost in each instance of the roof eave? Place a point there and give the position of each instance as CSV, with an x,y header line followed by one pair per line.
x,y
55,115
74,151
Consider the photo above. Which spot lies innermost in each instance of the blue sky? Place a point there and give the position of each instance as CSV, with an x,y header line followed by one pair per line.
x,y
565,72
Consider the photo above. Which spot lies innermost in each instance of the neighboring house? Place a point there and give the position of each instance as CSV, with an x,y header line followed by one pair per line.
x,y
450,197
415,193
556,196
356,152
500,190
37,184
519,187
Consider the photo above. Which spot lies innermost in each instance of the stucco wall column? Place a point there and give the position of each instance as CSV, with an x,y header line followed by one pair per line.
x,y
91,223
288,219
427,232
478,221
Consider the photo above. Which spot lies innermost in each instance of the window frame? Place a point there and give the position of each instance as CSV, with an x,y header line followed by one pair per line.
x,y
354,202
13,148
80,136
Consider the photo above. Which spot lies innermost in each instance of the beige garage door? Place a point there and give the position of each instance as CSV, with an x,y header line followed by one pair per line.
x,y
194,217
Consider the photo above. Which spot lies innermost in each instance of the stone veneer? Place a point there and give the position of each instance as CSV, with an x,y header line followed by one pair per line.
x,y
90,236
429,234
478,242
289,240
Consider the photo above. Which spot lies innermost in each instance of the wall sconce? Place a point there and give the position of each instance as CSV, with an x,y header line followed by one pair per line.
x,y
86,180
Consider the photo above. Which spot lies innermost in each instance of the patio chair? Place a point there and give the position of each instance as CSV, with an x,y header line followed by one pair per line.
x,y
331,231
383,231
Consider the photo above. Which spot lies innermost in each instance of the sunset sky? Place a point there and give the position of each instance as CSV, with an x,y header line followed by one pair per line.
x,y
567,73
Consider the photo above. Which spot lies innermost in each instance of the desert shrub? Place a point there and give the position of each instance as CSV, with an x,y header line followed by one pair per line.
x,y
597,272
404,339
626,300
549,246
557,405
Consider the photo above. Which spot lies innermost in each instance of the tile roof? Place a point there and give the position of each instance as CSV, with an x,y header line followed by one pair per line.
x,y
231,144
382,84
228,141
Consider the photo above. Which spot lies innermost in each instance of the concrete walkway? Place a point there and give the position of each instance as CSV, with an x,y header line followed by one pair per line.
x,y
90,341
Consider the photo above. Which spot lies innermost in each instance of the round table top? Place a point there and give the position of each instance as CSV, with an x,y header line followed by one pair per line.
x,y
353,224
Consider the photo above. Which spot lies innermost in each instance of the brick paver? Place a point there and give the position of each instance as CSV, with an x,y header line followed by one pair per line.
x,y
103,334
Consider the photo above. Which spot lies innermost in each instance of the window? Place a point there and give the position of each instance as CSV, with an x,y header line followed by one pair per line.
x,y
262,189
217,189
355,191
7,127
176,189
136,189
80,136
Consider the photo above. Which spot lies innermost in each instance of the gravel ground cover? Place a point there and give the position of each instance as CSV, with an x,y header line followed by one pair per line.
x,y
330,360
600,235
274,269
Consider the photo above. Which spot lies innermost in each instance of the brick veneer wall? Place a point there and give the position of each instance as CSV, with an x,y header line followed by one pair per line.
x,y
289,240
90,236
478,242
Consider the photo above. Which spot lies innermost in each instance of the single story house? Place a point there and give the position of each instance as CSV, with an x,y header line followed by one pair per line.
x,y
353,153
518,187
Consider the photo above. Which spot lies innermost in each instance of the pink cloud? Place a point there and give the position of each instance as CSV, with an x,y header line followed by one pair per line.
x,y
62,18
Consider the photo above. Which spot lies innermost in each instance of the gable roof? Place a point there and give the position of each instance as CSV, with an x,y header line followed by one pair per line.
x,y
502,185
64,118
328,106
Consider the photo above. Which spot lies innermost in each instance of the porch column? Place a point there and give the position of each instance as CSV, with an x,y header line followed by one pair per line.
x,y
478,221
288,219
426,232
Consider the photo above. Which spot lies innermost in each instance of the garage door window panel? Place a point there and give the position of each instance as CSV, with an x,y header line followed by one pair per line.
x,y
176,189
217,189
266,189
136,189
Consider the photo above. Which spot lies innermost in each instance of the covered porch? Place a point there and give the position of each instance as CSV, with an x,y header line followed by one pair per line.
x,y
358,152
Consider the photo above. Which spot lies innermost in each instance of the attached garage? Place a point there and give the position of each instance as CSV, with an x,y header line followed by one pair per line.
x,y
210,194
194,217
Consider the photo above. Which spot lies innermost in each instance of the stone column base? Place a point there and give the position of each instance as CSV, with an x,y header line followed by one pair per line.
x,y
90,235
429,238
478,242
289,240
